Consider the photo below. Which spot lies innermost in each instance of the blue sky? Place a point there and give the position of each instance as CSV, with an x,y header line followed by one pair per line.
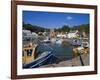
x,y
54,19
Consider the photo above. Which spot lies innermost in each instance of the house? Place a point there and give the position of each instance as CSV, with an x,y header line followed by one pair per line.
x,y
52,33
73,34
61,35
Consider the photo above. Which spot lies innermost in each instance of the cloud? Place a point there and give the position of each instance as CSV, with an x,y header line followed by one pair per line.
x,y
69,18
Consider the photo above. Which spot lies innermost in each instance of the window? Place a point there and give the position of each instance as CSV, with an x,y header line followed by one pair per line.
x,y
29,52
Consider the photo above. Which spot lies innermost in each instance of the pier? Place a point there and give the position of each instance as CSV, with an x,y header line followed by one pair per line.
x,y
81,60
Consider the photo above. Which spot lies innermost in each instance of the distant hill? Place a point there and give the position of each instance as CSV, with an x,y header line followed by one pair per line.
x,y
82,28
34,28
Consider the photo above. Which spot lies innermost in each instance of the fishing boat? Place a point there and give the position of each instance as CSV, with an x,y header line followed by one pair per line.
x,y
85,44
28,53
84,48
53,40
44,59
59,41
47,40
76,42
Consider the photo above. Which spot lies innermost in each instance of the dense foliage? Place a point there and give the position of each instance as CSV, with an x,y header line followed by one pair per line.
x,y
65,28
82,28
34,28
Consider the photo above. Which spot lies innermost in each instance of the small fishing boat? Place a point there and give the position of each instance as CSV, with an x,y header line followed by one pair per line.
x,y
84,48
47,40
59,41
53,40
76,42
85,44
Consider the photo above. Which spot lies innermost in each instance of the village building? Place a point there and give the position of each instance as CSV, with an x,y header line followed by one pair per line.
x,y
52,33
73,34
61,35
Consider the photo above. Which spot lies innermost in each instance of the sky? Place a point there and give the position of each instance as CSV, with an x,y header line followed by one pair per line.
x,y
54,19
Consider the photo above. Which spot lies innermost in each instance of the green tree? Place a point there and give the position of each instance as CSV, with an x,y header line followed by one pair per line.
x,y
65,28
82,28
34,28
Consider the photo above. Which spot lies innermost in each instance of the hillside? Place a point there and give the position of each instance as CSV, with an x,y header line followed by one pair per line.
x,y
34,28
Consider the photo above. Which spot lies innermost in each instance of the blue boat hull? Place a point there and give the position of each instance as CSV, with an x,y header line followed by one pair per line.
x,y
48,59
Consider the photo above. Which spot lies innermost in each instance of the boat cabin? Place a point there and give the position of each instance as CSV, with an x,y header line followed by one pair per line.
x,y
29,54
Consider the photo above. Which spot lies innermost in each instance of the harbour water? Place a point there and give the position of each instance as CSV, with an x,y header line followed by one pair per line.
x,y
62,51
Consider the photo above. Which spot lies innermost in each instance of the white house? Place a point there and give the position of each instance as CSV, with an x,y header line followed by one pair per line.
x,y
61,36
73,34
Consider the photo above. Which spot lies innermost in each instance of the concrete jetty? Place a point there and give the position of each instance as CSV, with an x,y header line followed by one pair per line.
x,y
82,60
